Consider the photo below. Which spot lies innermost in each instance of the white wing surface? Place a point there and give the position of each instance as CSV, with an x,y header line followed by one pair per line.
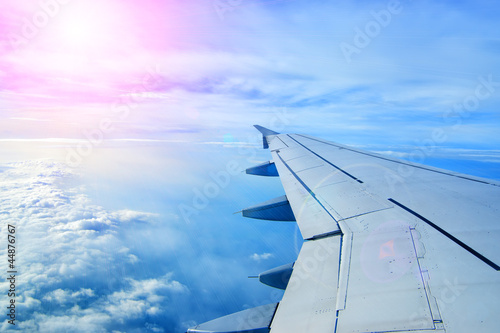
x,y
390,245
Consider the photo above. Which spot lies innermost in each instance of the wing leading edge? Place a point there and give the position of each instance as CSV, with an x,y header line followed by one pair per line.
x,y
390,245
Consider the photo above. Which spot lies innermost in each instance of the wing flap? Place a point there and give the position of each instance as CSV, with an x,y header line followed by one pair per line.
x,y
385,283
309,302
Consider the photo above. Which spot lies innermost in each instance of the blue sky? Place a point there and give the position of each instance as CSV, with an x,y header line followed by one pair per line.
x,y
115,115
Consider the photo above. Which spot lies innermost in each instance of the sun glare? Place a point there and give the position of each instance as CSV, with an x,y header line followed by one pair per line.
x,y
87,27
79,32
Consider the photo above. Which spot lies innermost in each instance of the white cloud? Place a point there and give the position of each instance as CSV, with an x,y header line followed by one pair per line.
x,y
126,216
142,297
481,155
259,257
65,296
76,272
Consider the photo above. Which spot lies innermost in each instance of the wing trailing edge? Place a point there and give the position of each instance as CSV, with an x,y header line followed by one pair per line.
x,y
255,320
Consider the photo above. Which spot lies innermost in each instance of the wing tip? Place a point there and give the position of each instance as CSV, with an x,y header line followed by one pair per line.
x,y
265,131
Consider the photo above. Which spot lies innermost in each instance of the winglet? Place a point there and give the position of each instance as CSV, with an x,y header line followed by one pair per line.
x,y
265,132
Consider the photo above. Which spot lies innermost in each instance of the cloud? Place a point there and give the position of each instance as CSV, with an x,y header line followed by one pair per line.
x,y
75,271
259,257
142,297
479,155
66,296
126,216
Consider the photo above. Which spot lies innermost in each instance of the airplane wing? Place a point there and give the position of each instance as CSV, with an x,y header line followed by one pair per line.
x,y
389,245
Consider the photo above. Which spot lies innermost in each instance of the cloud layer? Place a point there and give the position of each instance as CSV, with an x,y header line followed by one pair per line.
x,y
75,271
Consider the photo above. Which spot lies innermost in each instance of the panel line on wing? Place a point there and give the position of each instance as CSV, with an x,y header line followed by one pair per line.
x,y
450,236
283,142
344,267
306,187
333,165
431,301
312,167
294,158
372,211
399,162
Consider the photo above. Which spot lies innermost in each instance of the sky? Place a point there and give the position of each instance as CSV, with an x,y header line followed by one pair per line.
x,y
125,127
